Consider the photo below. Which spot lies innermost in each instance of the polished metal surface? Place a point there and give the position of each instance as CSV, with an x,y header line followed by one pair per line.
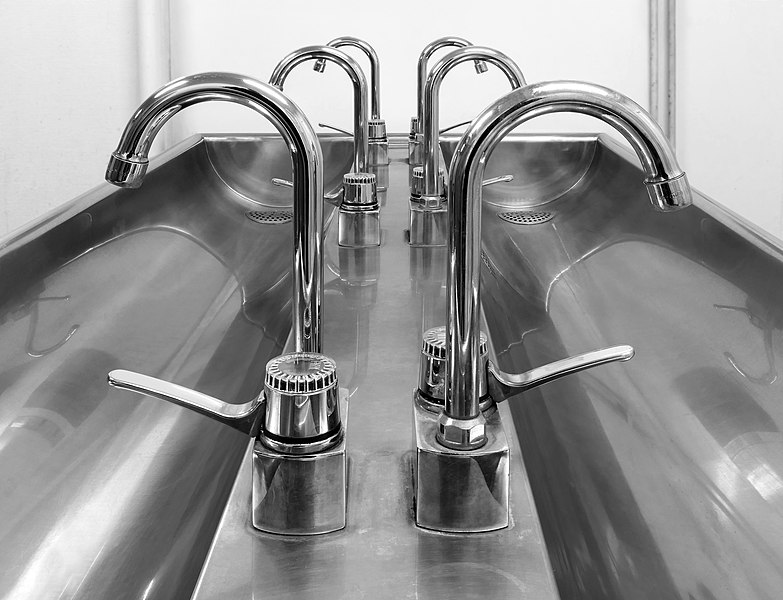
x,y
475,482
129,162
380,301
666,184
433,368
302,403
430,117
358,82
659,478
358,220
300,494
243,417
375,71
103,494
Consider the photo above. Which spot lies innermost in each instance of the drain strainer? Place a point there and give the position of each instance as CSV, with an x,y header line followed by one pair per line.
x,y
527,217
270,217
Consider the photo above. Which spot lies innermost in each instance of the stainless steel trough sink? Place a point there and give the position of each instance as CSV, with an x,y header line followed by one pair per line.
x,y
657,478
662,477
106,495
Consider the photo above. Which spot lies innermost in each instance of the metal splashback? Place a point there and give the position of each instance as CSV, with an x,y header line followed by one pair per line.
x,y
104,495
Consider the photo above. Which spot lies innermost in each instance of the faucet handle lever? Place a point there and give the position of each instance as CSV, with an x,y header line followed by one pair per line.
x,y
333,128
502,384
500,179
244,417
334,197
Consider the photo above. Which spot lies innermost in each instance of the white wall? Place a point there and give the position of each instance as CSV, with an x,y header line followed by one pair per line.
x,y
69,77
74,70
603,41
730,104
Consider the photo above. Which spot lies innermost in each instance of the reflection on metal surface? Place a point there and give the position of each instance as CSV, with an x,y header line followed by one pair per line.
x,y
30,343
767,325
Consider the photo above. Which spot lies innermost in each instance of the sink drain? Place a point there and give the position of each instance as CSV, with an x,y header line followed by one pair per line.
x,y
270,217
527,217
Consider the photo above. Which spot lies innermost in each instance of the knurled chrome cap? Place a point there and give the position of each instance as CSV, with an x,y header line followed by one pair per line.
x,y
360,189
301,373
434,343
376,129
417,182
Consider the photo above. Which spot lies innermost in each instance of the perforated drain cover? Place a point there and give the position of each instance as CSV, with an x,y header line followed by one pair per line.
x,y
270,217
527,217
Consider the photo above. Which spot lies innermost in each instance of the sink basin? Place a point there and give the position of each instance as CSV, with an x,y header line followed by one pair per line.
x,y
657,478
107,495
661,477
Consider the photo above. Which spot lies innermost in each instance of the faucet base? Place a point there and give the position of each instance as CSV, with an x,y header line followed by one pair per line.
x,y
428,226
460,491
359,228
303,494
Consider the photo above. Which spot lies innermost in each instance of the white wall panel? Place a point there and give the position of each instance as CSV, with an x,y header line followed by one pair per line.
x,y
70,81
730,104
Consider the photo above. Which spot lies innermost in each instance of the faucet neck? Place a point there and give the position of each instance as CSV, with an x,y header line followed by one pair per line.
x,y
350,66
473,150
431,104
375,69
306,157
421,69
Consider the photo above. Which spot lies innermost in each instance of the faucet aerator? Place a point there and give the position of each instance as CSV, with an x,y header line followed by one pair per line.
x,y
124,172
670,194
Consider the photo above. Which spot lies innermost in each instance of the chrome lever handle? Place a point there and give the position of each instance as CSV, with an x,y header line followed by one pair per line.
x,y
334,197
502,384
494,180
450,127
244,417
282,182
337,129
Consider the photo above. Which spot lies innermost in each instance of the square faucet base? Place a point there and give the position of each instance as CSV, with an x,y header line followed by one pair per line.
x,y
460,491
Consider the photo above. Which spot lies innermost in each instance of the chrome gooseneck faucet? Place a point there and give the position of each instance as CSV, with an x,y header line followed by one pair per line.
x,y
375,69
350,66
431,102
296,422
421,70
129,161
462,425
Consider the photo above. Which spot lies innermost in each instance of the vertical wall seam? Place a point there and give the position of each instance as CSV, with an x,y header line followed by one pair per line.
x,y
663,64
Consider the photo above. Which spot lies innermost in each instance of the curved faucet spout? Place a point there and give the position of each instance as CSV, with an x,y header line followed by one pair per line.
x,y
431,121
666,184
128,165
421,69
350,66
375,69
